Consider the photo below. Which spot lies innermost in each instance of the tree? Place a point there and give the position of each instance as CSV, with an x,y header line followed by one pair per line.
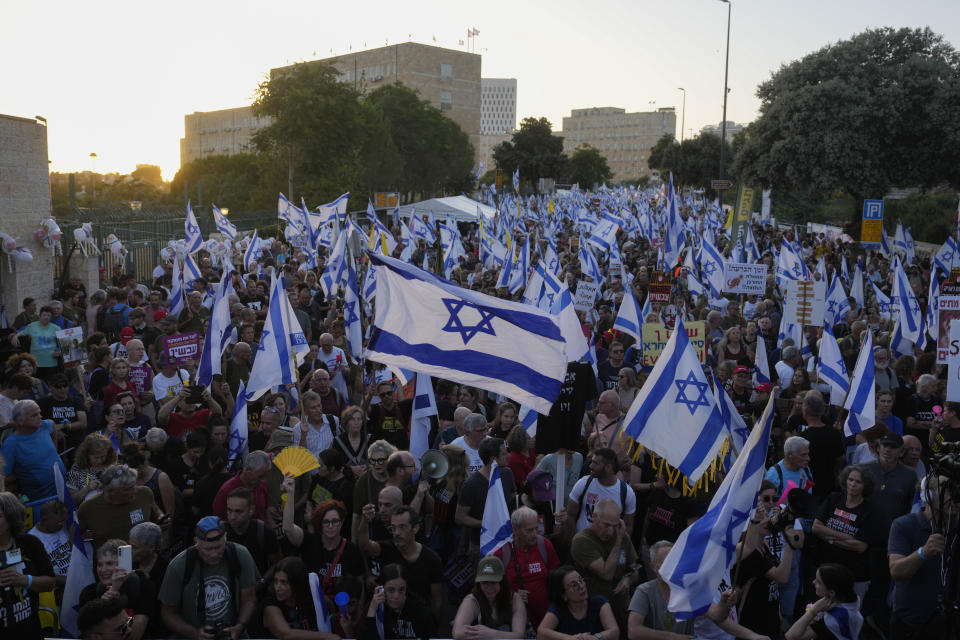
x,y
693,163
534,149
588,167
149,173
240,182
860,116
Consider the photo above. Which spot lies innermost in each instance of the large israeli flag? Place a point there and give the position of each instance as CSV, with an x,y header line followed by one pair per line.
x,y
790,266
223,223
176,289
336,209
836,304
281,343
555,297
194,241
675,414
80,570
319,603
336,267
945,255
495,529
351,312
427,324
424,407
831,368
252,254
218,332
288,212
706,550
589,264
628,317
911,319
861,401
239,429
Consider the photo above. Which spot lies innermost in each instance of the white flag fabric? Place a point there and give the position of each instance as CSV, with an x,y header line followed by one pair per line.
x,y
836,304
495,530
528,418
761,369
856,285
427,324
176,289
319,603
218,332
336,267
351,312
831,368
252,254
675,414
424,407
223,223
628,317
844,620
706,550
861,401
933,307
80,569
911,319
282,340
239,431
194,239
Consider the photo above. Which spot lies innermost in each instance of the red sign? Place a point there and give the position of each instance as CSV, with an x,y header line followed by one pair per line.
x,y
660,287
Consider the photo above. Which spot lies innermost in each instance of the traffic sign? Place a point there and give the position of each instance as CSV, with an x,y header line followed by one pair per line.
x,y
871,226
720,184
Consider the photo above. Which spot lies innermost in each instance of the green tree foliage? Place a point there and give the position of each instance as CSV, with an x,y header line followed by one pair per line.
x,y
693,163
860,116
149,173
239,182
588,167
436,153
534,149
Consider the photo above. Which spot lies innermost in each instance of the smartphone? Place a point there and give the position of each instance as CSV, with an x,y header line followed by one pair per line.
x,y
125,557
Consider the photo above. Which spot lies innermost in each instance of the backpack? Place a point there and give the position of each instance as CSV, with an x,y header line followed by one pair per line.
x,y
233,573
508,553
623,496
112,321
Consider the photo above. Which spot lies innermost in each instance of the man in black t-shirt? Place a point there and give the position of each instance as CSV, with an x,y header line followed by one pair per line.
x,y
609,370
388,418
243,528
921,419
826,445
64,410
947,429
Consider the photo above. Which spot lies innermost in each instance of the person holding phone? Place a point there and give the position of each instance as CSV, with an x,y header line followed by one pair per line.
x,y
116,579
405,614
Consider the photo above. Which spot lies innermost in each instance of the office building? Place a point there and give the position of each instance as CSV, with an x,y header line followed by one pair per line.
x,y
218,133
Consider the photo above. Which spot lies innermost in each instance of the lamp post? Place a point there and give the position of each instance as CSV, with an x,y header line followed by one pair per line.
x,y
723,123
683,112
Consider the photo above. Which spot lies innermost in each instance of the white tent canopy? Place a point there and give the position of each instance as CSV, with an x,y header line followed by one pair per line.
x,y
456,208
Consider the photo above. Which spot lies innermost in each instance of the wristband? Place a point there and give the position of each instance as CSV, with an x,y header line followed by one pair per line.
x,y
920,553
29,581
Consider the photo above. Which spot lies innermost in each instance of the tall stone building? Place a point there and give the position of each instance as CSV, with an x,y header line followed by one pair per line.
x,y
218,133
498,116
624,139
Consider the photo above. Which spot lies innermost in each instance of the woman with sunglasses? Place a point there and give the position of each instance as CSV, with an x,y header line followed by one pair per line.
x,y
573,613
371,481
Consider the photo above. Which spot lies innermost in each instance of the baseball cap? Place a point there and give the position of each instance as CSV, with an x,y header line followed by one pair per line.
x,y
763,387
542,486
489,569
741,369
59,379
892,439
159,315
126,335
206,525
280,439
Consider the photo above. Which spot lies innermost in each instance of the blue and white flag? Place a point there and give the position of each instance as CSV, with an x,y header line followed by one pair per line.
x,y
884,304
191,271
821,269
239,429
844,271
603,236
223,223
736,428
831,368
555,297
761,368
218,332
886,247
706,550
319,603
844,620
194,241
753,252
80,570
945,255
589,264
900,243
351,312
252,254
836,304
861,401
380,622
495,530
516,180
424,407
518,273
176,289
369,290
712,267
283,347
335,269
628,317
428,324
336,209
528,418
933,307
789,266
911,319
288,212
675,414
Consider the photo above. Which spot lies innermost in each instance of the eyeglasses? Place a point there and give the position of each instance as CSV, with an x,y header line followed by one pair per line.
x,y
378,461
116,411
122,630
575,584
332,523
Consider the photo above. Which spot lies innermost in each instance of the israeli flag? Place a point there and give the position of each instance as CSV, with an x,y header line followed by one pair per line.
x,y
194,241
495,530
844,620
422,230
516,180
589,264
334,210
733,422
351,312
282,347
628,317
80,571
753,253
944,256
176,289
604,233
712,266
252,254
218,332
821,269
239,430
789,266
908,238
646,310
336,267
912,324
288,212
319,603
706,550
861,401
555,298
675,414
224,225
900,240
836,305
528,418
518,273
369,290
191,271
844,271
424,407
885,245
761,368
428,324
933,307
830,366
883,301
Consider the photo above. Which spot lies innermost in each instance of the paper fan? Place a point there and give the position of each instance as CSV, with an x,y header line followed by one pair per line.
x,y
296,461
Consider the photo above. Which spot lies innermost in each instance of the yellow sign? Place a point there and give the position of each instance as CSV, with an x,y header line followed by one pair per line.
x,y
870,231
655,337
385,200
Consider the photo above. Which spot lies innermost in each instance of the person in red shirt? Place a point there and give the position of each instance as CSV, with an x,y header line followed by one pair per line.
x,y
528,560
523,457
119,370
188,416
253,477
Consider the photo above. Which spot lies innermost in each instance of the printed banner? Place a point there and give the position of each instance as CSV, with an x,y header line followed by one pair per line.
x,y
655,337
741,277
586,295
71,346
182,347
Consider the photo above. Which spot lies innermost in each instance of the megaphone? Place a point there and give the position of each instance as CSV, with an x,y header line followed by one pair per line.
x,y
435,464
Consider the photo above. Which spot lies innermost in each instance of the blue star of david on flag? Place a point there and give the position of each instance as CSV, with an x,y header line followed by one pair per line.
x,y
350,309
263,340
691,404
732,535
456,325
708,268
236,450
796,269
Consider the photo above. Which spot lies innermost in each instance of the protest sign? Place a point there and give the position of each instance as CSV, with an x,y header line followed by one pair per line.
x,y
660,287
741,277
70,341
655,337
805,302
949,310
953,369
586,295
141,376
182,347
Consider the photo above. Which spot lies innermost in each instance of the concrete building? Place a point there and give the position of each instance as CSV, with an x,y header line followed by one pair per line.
x,y
446,78
498,105
218,133
624,139
732,129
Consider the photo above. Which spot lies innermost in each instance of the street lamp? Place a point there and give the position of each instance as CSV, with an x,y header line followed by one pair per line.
x,y
723,123
683,112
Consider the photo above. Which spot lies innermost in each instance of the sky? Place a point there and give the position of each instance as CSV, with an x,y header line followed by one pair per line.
x,y
116,78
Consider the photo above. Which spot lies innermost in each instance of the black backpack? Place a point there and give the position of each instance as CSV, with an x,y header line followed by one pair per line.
x,y
233,573
112,321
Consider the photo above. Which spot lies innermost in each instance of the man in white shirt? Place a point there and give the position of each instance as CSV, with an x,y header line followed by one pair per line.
x,y
602,482
789,360
474,432
336,361
317,431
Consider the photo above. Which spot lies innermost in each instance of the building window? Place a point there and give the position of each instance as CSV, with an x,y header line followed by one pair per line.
x,y
446,70
446,101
